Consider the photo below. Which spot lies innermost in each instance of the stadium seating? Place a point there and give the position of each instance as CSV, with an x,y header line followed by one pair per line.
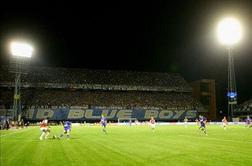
x,y
45,86
245,107
96,79
59,97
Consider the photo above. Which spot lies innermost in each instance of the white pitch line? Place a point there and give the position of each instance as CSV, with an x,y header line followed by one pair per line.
x,y
206,137
19,131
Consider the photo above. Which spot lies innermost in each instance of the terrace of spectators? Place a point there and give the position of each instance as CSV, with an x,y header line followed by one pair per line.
x,y
127,99
48,77
245,107
46,86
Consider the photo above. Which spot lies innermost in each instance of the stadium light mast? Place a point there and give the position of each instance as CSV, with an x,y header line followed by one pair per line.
x,y
229,33
21,55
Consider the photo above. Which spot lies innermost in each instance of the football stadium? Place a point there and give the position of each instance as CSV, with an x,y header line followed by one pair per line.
x,y
163,83
128,100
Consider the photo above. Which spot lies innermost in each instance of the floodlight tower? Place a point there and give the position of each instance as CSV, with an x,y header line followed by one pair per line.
x,y
21,55
229,33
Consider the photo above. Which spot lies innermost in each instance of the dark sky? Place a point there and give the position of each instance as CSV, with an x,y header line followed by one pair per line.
x,y
162,36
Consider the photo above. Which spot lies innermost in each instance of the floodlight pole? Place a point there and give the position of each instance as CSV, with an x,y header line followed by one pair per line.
x,y
17,99
231,84
21,56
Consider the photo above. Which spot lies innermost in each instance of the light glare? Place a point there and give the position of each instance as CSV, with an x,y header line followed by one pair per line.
x,y
229,31
21,49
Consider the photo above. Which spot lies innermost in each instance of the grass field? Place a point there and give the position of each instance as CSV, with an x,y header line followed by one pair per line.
x,y
125,145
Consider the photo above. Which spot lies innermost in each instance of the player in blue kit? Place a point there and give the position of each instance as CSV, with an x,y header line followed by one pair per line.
x,y
67,129
202,121
104,124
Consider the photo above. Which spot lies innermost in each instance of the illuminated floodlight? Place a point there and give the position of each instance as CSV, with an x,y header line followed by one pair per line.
x,y
229,31
21,49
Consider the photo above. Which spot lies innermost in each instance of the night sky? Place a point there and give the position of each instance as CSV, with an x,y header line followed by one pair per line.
x,y
162,36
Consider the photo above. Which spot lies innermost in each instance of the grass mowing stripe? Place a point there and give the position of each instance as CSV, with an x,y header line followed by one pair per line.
x,y
15,132
215,139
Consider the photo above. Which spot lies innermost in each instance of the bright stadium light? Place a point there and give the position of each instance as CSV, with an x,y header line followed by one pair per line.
x,y
21,53
21,49
229,31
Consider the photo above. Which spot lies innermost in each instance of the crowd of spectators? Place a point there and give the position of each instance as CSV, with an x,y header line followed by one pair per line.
x,y
127,99
96,77
177,97
245,106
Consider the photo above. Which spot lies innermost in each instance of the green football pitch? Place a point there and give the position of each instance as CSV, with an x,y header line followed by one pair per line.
x,y
128,145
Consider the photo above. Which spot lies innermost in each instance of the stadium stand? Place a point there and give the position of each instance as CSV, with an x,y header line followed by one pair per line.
x,y
245,107
126,99
96,79
62,87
